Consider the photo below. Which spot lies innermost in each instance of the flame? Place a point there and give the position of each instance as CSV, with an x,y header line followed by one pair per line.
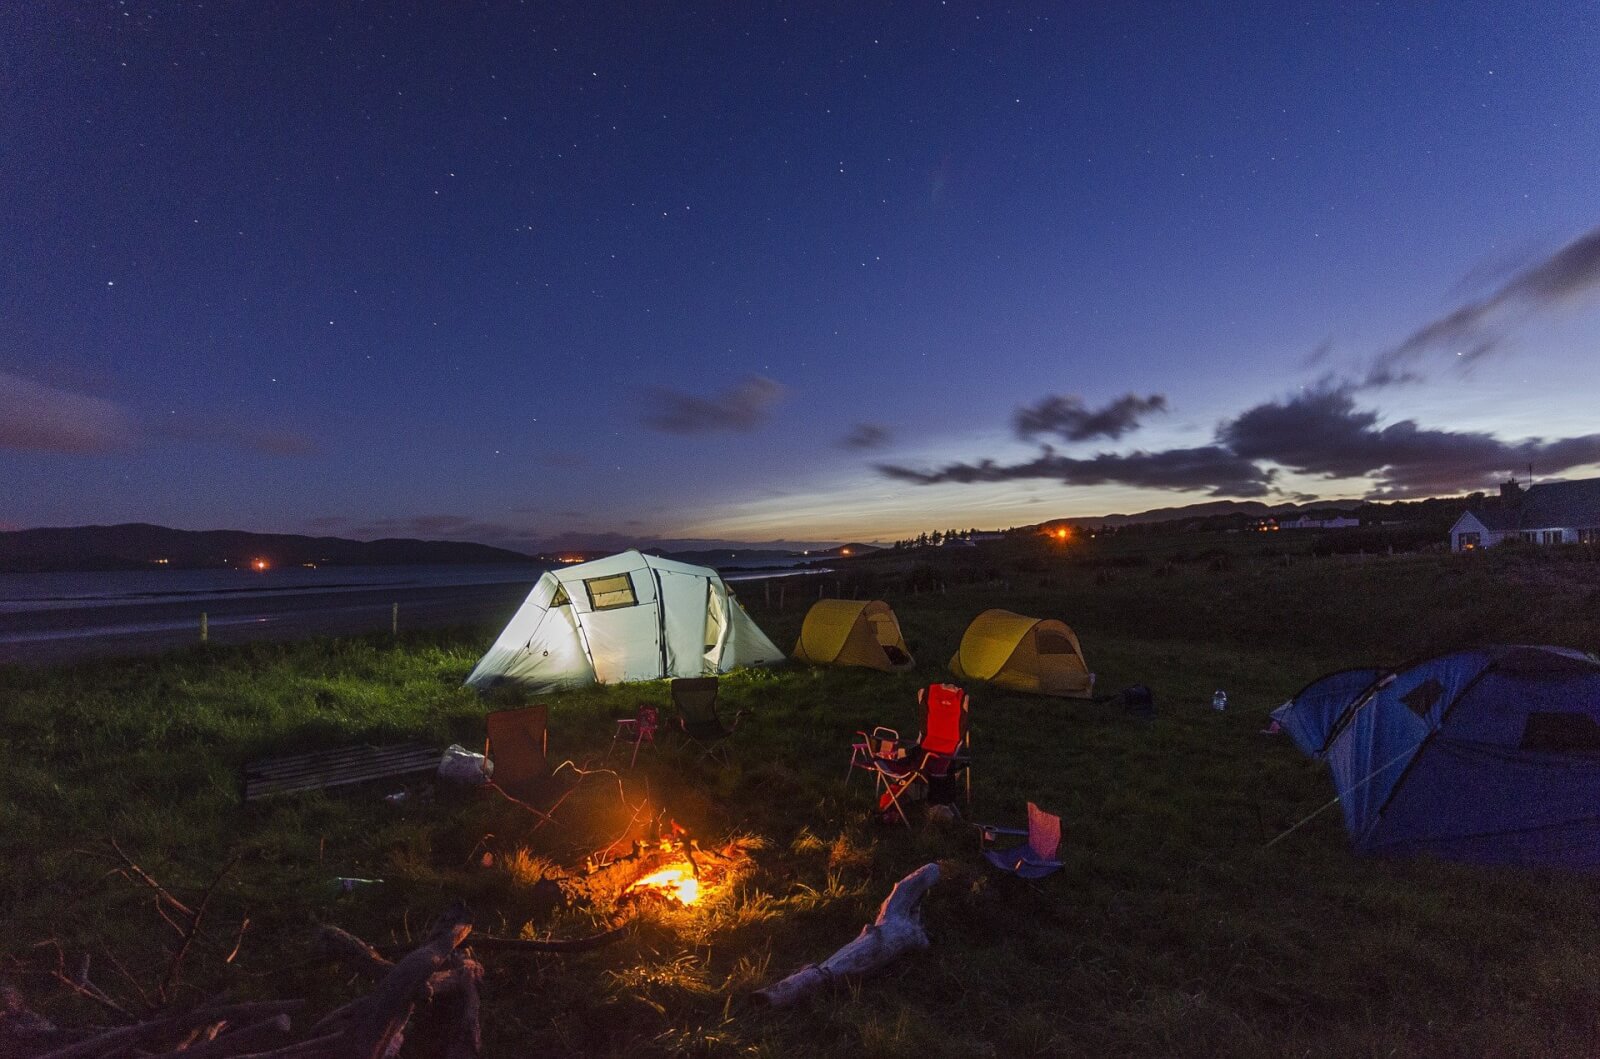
x,y
679,883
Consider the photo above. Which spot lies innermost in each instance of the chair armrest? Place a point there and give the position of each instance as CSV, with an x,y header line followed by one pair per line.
x,y
989,832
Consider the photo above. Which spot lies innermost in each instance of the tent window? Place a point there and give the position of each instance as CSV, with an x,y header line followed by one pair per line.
x,y
1422,698
561,599
1050,642
609,593
1560,732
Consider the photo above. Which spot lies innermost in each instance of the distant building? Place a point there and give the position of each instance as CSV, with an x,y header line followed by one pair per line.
x,y
1308,522
1548,513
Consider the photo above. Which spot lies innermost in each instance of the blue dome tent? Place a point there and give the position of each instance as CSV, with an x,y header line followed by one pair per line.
x,y
1489,755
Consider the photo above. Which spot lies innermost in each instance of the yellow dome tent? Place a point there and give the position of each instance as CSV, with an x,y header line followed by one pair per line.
x,y
852,632
1040,656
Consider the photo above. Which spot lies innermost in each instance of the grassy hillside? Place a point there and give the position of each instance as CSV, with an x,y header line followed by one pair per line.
x,y
1171,930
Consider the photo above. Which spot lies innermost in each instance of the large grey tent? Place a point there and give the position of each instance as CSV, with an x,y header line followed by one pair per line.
x,y
626,617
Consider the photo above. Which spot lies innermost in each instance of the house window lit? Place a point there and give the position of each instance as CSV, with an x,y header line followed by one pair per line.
x,y
609,593
1467,542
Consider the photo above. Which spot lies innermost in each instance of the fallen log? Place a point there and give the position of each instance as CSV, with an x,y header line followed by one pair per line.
x,y
896,931
368,1025
466,1035
234,1044
347,948
593,941
126,1037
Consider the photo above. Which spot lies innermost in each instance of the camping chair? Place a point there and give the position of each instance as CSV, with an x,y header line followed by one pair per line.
x,y
882,743
638,730
941,752
1033,859
695,699
518,746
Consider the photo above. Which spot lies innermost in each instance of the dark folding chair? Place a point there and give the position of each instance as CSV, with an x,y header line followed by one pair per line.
x,y
518,744
1034,858
942,752
695,699
640,730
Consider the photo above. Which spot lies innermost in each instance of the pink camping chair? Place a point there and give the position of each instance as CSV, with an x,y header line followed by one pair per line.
x,y
883,743
638,730
1034,858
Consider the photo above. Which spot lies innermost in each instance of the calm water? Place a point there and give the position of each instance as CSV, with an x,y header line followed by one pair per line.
x,y
57,617
126,588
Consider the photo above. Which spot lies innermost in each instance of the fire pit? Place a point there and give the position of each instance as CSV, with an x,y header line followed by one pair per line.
x,y
674,872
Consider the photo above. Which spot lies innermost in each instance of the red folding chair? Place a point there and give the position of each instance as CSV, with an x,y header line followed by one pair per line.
x,y
942,751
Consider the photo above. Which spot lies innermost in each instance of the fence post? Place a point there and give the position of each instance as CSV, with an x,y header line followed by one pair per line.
x,y
205,632
394,620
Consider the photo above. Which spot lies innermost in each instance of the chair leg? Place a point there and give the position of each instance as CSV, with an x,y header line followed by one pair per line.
x,y
894,796
892,790
635,759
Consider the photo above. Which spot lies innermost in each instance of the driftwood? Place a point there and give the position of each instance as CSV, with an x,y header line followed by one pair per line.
x,y
369,1025
896,931
125,1037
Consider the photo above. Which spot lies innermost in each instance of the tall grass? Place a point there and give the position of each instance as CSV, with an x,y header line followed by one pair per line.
x,y
1171,930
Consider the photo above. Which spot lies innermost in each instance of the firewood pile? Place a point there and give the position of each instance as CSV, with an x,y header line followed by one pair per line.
x,y
430,991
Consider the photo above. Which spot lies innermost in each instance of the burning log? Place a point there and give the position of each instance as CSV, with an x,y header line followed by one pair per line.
x,y
896,931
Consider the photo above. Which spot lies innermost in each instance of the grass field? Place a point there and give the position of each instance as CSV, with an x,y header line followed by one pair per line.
x,y
1171,931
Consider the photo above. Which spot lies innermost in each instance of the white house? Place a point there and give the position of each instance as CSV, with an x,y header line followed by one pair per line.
x,y
1548,513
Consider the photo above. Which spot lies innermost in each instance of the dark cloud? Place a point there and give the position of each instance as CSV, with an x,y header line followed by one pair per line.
x,y
1322,432
1211,468
39,418
1474,329
865,436
740,408
1070,419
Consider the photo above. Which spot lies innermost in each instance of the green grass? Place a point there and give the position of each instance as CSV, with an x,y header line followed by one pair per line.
x,y
1171,931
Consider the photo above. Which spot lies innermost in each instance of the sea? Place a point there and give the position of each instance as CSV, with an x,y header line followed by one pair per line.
x,y
49,618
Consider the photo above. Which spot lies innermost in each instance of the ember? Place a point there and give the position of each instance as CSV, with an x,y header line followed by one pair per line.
x,y
679,883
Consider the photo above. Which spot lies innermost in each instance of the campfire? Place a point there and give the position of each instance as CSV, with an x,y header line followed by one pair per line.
x,y
680,884
673,871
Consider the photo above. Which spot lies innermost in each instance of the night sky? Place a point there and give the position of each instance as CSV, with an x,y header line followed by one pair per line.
x,y
585,273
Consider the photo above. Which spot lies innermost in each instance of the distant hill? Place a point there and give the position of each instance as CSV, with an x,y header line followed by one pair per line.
x,y
138,545
1210,509
721,557
854,548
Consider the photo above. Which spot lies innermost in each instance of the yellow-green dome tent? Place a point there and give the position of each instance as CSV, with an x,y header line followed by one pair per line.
x,y
852,632
1037,655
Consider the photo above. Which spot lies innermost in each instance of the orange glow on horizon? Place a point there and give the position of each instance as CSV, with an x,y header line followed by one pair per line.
x,y
259,564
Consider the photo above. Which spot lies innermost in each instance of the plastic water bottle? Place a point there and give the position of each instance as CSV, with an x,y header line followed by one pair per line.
x,y
1219,700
